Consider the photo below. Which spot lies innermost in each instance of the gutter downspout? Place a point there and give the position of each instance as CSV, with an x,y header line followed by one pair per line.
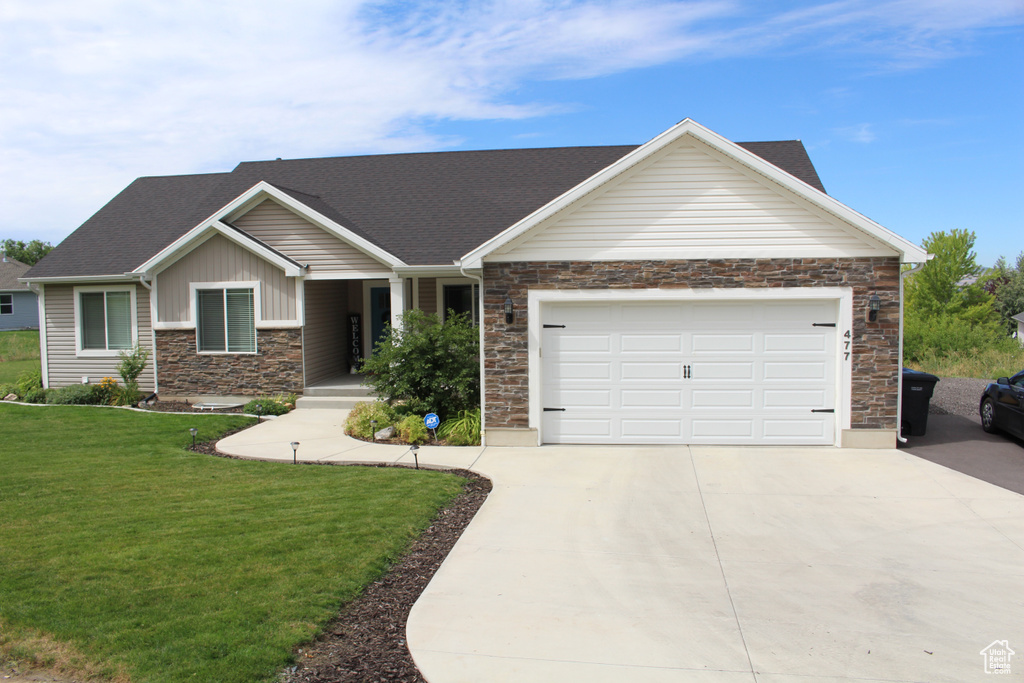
x,y
480,327
152,329
899,391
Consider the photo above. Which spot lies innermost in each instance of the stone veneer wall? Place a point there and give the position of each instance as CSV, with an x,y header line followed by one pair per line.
x,y
875,347
275,367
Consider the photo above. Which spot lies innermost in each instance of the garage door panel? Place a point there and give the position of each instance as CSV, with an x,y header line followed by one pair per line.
x,y
690,372
648,398
793,371
717,372
722,343
651,343
795,398
710,398
635,370
794,343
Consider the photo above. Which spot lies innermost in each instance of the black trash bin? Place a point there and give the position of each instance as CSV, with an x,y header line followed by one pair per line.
x,y
917,393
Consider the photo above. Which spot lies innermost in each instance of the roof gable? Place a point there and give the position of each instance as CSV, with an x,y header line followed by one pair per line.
x,y
741,161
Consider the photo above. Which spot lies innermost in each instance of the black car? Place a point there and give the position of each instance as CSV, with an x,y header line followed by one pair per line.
x,y
1002,406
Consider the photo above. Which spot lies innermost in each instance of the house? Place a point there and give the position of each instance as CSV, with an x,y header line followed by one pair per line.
x,y
19,307
1019,319
689,290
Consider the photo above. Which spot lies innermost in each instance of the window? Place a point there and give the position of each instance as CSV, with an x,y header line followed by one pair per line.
x,y
6,304
226,320
460,298
105,320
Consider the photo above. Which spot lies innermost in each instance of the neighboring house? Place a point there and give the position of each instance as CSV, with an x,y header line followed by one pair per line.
x,y
690,290
19,306
1020,327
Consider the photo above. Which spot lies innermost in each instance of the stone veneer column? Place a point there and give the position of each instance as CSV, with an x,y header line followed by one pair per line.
x,y
276,367
874,350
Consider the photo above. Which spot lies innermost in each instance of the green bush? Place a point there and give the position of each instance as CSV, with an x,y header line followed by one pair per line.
x,y
132,363
270,405
6,389
36,396
358,422
463,430
33,379
431,366
945,335
412,430
74,394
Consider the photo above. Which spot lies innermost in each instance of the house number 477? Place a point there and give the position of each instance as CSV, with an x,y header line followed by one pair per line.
x,y
846,345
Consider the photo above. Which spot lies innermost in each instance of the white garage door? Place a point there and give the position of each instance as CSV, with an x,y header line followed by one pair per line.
x,y
758,372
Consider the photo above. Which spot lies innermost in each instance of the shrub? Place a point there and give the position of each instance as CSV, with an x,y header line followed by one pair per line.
x,y
6,389
33,379
270,405
36,395
412,430
74,394
431,366
358,422
945,334
106,391
463,430
132,363
123,396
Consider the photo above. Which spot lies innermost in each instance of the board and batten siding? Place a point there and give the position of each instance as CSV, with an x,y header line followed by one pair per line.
x,y
220,260
689,201
428,294
304,242
324,340
64,367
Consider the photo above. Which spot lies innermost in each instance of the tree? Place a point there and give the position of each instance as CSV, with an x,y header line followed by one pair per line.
x,y
429,365
1007,285
948,284
29,254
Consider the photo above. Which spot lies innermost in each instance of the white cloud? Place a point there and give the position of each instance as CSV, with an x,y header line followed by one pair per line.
x,y
95,93
861,132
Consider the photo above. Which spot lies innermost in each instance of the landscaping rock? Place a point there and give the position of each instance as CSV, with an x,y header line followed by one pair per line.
x,y
11,397
384,434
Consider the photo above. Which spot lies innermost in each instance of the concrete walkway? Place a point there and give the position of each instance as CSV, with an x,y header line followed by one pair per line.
x,y
657,564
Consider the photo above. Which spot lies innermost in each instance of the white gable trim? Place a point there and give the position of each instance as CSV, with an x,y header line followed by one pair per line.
x,y
909,253
252,197
203,232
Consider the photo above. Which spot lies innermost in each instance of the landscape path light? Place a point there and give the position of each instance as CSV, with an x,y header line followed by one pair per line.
x,y
193,431
295,452
415,457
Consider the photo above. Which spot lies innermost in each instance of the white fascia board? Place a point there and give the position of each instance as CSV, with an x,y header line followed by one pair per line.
x,y
909,252
428,271
202,232
263,190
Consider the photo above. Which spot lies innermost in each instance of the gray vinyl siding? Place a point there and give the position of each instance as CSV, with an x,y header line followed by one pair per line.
x,y
428,294
25,314
304,242
221,260
63,366
324,336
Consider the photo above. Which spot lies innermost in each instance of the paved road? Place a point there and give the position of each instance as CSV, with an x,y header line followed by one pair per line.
x,y
959,443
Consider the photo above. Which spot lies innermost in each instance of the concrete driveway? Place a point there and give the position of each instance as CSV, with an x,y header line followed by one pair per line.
x,y
714,564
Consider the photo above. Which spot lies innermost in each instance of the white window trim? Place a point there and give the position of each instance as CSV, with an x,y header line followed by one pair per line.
x,y
254,285
10,303
103,353
442,282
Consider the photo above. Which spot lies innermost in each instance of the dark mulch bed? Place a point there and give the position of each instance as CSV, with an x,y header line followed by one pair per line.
x,y
183,407
366,641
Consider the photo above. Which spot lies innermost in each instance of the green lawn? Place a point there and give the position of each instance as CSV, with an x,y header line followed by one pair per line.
x,y
122,552
19,353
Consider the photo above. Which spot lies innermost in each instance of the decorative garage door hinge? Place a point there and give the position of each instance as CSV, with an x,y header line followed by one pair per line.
x,y
823,324
687,371
547,326
823,410
554,410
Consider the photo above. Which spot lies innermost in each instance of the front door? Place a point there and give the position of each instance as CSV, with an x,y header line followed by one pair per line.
x,y
380,314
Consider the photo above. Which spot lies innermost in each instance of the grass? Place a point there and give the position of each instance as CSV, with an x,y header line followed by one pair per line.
x,y
987,364
19,353
125,555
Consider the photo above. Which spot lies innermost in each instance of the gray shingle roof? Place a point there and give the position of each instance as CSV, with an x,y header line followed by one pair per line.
x,y
10,271
426,209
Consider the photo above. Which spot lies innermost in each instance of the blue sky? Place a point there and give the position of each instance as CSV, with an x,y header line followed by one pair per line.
x,y
912,110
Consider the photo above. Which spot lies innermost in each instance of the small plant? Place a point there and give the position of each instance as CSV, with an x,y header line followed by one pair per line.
x,y
270,405
358,422
107,391
463,430
412,430
36,396
33,379
7,389
74,394
132,363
